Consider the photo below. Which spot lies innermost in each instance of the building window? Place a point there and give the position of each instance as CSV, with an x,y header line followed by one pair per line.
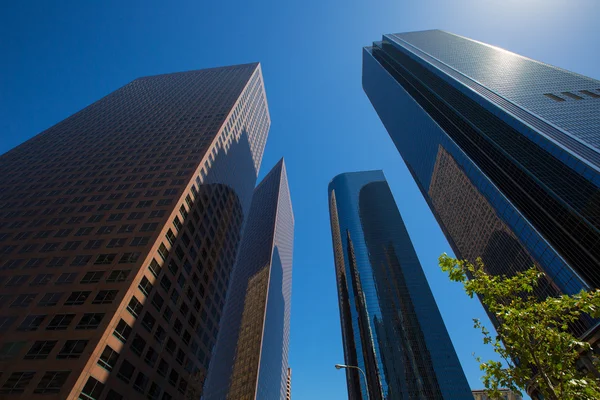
x,y
34,262
154,392
118,275
52,382
57,262
72,349
134,306
163,367
157,301
66,278
24,300
41,280
73,245
553,97
119,242
154,268
92,277
92,390
122,331
160,335
60,322
77,298
173,377
141,382
149,227
105,259
31,323
126,371
17,382
108,358
105,297
140,241
163,252
50,299
80,261
138,344
180,356
171,237
115,217
151,357
93,244
112,395
9,350
572,95
157,214
182,386
145,286
127,228
148,321
105,230
128,258
17,280
83,231
6,322
90,321
591,94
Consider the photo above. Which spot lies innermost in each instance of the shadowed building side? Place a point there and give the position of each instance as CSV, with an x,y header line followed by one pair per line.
x,y
250,359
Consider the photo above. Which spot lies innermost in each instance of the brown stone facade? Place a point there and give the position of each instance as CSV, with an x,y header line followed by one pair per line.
x,y
119,227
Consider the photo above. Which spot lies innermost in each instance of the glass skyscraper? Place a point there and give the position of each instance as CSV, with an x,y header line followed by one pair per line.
x,y
119,229
250,360
505,150
391,326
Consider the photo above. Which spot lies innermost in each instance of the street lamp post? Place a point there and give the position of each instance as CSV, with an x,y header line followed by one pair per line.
x,y
340,366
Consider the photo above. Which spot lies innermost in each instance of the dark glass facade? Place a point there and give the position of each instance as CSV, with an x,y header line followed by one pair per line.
x,y
505,150
119,229
251,355
391,326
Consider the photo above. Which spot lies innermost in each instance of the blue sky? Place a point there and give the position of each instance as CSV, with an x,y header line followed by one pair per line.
x,y
58,57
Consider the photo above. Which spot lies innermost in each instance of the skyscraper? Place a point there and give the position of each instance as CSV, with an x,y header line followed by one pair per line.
x,y
288,395
119,230
391,326
251,355
504,149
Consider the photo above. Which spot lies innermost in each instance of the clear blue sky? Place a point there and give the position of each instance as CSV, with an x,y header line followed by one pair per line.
x,y
58,57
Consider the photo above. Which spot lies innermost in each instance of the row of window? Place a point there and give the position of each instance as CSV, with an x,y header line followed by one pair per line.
x,y
586,93
85,231
115,179
118,275
41,349
76,298
32,211
80,220
58,322
62,221
73,245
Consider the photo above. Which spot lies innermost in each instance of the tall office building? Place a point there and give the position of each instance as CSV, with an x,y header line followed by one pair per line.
x,y
288,395
251,355
391,326
506,151
119,230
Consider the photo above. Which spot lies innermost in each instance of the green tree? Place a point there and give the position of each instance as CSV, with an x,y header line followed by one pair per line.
x,y
535,332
